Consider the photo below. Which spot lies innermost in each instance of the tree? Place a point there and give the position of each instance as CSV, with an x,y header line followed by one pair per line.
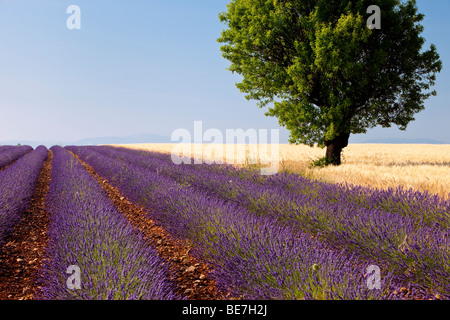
x,y
324,72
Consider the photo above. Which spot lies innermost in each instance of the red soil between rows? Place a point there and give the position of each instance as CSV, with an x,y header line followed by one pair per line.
x,y
190,275
23,254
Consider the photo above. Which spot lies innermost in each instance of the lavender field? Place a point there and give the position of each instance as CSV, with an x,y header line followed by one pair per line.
x,y
123,224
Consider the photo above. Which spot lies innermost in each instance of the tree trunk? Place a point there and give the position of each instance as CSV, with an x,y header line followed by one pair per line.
x,y
334,148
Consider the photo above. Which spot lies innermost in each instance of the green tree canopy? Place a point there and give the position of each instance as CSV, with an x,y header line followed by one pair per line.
x,y
323,72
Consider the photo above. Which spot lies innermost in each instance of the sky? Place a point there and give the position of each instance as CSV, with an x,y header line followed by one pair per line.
x,y
149,67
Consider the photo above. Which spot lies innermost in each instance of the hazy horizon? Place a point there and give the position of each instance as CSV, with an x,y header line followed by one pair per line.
x,y
149,68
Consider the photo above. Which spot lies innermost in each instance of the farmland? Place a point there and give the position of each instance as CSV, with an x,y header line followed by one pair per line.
x,y
417,166
131,224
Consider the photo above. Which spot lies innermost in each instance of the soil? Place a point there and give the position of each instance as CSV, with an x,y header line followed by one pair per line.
x,y
190,275
9,164
22,255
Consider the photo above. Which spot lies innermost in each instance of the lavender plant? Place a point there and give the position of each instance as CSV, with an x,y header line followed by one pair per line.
x,y
87,231
414,242
251,256
17,185
8,154
427,208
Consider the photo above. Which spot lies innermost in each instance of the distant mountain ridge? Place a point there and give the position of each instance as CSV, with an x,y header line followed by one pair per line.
x,y
137,138
155,138
405,141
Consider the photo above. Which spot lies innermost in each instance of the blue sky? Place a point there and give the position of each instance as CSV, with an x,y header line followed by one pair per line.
x,y
148,67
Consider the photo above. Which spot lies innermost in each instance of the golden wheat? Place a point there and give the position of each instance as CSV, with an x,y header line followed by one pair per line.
x,y
420,167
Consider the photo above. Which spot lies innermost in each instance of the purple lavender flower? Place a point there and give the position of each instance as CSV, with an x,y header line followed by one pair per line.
x,y
372,223
17,184
88,231
253,254
9,154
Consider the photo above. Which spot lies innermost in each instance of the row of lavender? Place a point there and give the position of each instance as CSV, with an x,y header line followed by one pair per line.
x,y
17,185
9,154
413,244
430,209
252,256
88,234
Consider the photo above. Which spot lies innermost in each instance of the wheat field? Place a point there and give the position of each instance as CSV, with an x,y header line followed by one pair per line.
x,y
417,166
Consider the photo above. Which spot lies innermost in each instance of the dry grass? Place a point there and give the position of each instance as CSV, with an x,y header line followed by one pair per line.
x,y
420,167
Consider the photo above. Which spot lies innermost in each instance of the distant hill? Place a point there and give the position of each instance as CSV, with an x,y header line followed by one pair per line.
x,y
33,144
137,138
154,138
405,141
